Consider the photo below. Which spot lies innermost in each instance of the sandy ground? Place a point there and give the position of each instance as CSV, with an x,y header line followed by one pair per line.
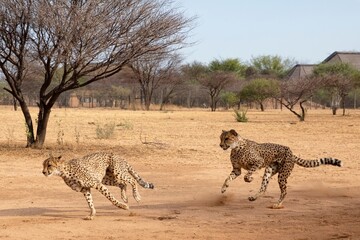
x,y
179,152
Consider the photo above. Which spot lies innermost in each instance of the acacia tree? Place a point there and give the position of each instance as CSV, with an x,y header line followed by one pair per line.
x,y
260,89
215,82
274,66
88,40
340,79
299,91
151,71
219,75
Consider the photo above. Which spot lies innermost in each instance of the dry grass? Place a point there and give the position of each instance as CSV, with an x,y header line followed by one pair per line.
x,y
178,151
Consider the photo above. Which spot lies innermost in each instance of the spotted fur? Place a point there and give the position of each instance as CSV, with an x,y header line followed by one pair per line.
x,y
251,156
95,171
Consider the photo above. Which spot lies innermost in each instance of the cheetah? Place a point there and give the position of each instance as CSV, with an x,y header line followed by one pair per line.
x,y
95,171
275,158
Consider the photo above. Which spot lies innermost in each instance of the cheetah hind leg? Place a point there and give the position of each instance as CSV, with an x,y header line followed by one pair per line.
x,y
110,181
104,191
129,179
282,180
122,187
124,179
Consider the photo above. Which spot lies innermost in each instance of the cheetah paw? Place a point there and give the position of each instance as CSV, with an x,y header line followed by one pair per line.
x,y
252,198
248,179
277,206
223,189
89,217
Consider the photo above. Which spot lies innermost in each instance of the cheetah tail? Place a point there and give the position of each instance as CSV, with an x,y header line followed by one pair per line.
x,y
141,182
318,162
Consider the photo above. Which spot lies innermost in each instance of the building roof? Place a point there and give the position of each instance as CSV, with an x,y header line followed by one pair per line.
x,y
352,58
300,71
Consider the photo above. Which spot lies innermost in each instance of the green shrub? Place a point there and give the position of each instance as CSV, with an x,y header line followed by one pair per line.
x,y
240,116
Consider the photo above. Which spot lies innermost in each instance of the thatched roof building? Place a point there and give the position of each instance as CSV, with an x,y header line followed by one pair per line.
x,y
300,71
352,58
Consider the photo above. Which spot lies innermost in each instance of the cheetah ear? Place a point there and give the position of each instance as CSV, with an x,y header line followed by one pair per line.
x,y
233,132
223,131
52,156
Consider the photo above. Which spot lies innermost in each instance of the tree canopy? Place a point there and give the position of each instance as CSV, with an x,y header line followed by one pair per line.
x,y
274,66
260,89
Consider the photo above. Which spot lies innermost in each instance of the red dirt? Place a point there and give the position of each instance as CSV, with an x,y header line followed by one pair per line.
x,y
179,153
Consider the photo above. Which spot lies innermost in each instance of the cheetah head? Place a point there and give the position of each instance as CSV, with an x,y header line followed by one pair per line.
x,y
50,165
229,139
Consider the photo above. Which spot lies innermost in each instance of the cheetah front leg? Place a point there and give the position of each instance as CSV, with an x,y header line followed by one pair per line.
x,y
269,172
88,197
233,175
248,176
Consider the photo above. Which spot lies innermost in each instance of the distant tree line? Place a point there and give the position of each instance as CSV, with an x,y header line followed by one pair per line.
x,y
225,83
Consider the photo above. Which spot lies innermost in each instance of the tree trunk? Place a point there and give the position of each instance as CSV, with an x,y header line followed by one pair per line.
x,y
303,112
14,104
301,116
188,99
334,109
43,119
262,106
30,137
212,103
335,103
147,98
147,103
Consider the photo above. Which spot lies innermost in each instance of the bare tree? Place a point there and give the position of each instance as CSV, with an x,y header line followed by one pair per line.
x,y
170,87
87,40
215,77
298,91
215,82
152,71
191,73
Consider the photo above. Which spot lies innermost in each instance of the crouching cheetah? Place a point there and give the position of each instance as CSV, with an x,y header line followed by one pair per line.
x,y
275,158
95,171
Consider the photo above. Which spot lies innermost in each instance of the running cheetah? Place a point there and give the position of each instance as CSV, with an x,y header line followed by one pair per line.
x,y
275,158
95,171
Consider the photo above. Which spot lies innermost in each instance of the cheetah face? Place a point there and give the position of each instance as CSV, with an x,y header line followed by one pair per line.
x,y
50,166
228,139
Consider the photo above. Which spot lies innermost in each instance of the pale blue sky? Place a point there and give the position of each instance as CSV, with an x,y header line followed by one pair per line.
x,y
305,30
